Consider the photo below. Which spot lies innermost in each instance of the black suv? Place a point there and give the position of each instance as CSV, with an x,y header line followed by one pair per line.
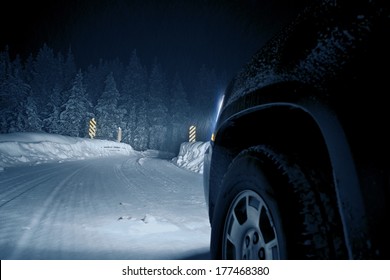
x,y
298,166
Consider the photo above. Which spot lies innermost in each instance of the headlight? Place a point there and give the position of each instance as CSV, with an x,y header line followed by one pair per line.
x,y
219,108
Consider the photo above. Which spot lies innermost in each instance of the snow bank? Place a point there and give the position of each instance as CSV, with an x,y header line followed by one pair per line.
x,y
191,156
35,148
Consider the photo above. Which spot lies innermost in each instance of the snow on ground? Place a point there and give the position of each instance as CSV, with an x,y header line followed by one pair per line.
x,y
191,156
73,198
36,148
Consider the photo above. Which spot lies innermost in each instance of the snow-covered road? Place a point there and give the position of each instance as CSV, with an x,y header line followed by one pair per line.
x,y
119,207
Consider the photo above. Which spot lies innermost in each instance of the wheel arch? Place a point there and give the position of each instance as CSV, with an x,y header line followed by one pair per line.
x,y
309,129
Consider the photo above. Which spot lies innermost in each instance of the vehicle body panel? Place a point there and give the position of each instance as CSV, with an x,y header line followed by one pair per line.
x,y
321,76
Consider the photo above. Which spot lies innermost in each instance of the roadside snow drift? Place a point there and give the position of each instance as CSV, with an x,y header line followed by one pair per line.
x,y
191,156
36,148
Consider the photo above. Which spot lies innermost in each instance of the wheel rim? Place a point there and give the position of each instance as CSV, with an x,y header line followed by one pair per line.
x,y
249,231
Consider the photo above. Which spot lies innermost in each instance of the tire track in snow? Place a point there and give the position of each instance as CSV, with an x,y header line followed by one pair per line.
x,y
141,187
17,186
37,217
74,213
165,177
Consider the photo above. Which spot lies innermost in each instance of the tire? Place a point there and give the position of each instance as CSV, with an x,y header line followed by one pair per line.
x,y
267,209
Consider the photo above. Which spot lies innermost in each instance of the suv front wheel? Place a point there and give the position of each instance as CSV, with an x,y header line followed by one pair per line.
x,y
268,209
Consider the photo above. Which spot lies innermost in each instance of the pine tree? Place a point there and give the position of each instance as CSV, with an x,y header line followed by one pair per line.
x,y
158,112
28,117
94,80
179,112
45,76
69,69
132,94
141,133
14,91
53,123
76,109
108,116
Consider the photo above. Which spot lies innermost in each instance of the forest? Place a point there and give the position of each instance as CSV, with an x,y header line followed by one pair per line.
x,y
48,92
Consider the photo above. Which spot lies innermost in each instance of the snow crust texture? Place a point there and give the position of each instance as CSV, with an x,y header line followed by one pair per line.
x,y
191,156
36,148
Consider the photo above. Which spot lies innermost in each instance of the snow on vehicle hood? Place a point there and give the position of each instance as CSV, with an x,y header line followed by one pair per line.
x,y
312,50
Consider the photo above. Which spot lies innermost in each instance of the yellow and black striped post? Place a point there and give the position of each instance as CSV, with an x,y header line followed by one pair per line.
x,y
192,133
92,128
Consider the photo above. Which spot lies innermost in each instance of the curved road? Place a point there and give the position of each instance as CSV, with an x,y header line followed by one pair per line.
x,y
124,207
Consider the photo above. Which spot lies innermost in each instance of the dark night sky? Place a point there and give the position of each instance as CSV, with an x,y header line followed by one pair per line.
x,y
180,33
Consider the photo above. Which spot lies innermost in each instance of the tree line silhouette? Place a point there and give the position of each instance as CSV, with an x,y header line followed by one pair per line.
x,y
49,93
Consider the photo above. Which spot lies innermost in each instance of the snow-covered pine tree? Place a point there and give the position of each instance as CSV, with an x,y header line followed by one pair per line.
x,y
180,115
69,69
95,78
29,116
53,123
76,109
13,92
157,109
132,93
46,74
108,116
141,133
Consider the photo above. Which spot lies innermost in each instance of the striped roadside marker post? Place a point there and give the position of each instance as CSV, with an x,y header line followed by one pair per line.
x,y
192,133
92,128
